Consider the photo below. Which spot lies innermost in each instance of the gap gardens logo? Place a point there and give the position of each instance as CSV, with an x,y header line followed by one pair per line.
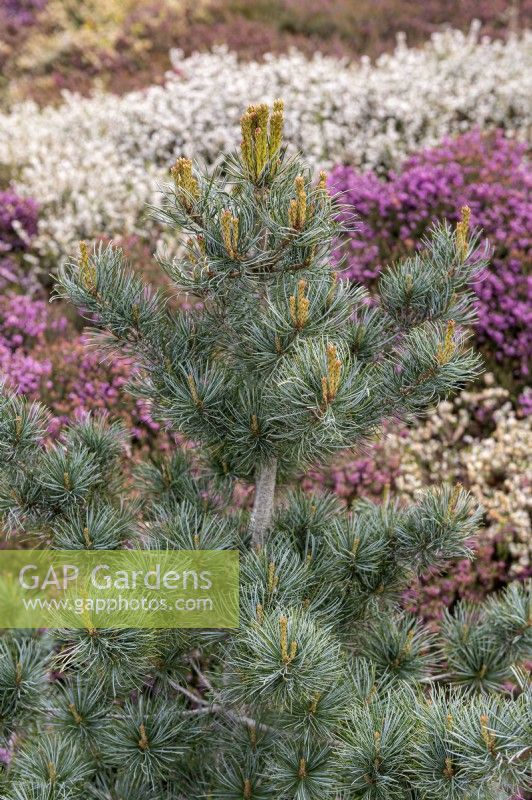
x,y
119,589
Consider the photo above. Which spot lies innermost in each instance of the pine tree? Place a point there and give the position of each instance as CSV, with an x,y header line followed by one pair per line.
x,y
327,690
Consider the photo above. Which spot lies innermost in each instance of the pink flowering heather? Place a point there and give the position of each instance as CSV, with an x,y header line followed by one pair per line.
x,y
20,13
354,477
18,221
79,382
490,174
432,593
525,402
23,323
23,371
41,356
23,320
18,226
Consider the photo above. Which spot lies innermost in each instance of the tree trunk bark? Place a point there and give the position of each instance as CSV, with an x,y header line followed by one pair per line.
x,y
261,516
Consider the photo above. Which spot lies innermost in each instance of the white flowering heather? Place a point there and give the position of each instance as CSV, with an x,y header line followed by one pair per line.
x,y
500,474
495,467
94,164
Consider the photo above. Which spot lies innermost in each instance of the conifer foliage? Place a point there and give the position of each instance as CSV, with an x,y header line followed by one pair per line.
x,y
326,690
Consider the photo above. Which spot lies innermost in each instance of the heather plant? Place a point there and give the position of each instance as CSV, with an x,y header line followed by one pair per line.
x,y
325,690
430,596
18,227
489,173
17,17
45,358
525,402
122,44
23,324
24,371
18,221
23,320
41,353
21,13
489,453
79,382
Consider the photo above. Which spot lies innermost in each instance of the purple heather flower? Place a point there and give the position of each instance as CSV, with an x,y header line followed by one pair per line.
x,y
23,322
524,402
491,175
21,13
18,221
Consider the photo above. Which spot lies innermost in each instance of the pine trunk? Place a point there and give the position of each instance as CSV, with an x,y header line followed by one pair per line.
x,y
261,515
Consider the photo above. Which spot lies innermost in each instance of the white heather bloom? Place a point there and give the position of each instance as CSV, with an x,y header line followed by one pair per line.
x,y
93,164
494,467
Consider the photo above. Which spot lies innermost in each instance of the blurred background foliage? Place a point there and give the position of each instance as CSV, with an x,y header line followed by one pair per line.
x,y
119,45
